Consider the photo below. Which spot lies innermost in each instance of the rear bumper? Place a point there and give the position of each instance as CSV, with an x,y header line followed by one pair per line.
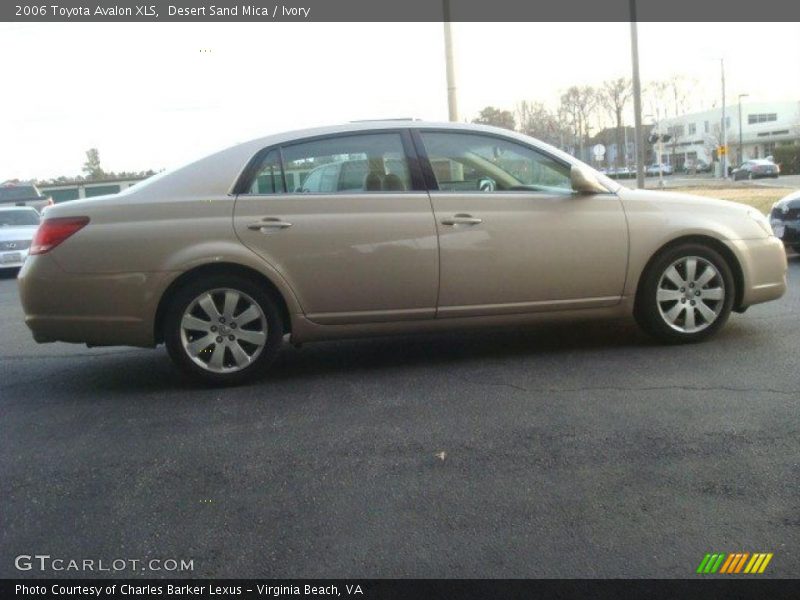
x,y
764,269
105,309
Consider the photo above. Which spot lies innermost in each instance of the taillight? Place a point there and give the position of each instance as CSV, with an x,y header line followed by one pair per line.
x,y
52,232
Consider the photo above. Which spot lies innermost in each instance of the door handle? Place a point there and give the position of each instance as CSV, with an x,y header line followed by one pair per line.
x,y
462,219
268,223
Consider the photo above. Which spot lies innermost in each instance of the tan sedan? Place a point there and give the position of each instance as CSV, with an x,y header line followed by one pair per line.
x,y
381,228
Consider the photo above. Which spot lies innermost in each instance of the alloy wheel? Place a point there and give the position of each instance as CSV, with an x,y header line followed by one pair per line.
x,y
223,330
690,294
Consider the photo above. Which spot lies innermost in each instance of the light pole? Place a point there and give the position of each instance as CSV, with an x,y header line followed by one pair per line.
x,y
452,103
741,152
637,99
724,128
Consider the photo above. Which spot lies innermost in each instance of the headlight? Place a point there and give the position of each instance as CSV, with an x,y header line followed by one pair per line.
x,y
762,221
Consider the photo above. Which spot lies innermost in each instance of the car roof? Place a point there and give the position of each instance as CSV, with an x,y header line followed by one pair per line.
x,y
363,126
9,208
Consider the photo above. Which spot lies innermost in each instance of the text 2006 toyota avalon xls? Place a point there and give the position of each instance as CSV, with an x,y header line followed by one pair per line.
x,y
380,228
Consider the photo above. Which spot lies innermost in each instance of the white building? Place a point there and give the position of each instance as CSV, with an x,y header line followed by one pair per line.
x,y
764,125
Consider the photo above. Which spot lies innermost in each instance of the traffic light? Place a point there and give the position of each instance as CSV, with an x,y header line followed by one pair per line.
x,y
659,137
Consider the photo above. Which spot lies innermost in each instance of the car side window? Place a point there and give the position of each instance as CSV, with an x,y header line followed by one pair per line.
x,y
362,163
268,179
483,163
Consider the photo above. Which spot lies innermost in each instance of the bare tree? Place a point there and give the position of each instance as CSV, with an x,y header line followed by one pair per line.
x,y
680,89
536,120
614,95
578,105
712,141
670,98
656,97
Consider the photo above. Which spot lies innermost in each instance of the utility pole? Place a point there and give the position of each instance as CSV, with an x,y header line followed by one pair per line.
x,y
724,128
637,98
741,152
452,103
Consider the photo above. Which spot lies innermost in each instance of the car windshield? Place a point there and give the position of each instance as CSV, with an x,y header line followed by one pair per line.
x,y
18,218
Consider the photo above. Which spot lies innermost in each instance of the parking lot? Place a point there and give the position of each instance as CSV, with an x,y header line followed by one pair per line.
x,y
555,451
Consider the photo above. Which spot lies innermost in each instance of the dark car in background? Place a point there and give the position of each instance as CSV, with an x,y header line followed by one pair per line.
x,y
756,168
702,166
23,193
785,220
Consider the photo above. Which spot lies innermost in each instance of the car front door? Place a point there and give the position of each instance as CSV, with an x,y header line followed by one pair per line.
x,y
513,236
355,252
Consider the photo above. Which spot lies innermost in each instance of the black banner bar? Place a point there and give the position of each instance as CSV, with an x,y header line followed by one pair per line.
x,y
389,589
397,10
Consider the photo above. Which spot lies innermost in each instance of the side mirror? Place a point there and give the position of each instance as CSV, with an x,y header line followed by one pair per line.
x,y
584,181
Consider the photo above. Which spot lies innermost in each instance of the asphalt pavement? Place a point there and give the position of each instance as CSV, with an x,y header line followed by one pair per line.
x,y
554,451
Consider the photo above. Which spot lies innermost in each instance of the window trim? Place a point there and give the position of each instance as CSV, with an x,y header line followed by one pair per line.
x,y
250,171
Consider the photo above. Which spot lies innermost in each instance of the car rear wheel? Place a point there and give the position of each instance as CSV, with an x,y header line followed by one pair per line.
x,y
685,295
223,330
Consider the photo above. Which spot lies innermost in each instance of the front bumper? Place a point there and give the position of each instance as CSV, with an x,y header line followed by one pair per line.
x,y
764,267
786,231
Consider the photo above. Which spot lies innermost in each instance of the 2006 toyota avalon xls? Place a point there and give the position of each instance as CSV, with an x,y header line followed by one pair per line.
x,y
378,228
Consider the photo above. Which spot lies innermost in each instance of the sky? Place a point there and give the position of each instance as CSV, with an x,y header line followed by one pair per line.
x,y
157,95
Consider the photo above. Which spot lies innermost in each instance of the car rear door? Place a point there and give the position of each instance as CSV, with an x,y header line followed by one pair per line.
x,y
513,236
351,255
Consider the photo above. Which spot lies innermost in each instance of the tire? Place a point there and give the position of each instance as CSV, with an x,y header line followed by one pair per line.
x,y
663,301
234,352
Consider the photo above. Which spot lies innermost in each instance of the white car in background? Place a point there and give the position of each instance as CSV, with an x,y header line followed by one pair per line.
x,y
17,226
654,170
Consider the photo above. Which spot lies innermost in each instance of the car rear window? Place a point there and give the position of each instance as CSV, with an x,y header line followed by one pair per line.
x,y
18,218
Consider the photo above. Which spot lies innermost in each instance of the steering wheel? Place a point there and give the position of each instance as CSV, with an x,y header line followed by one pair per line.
x,y
487,184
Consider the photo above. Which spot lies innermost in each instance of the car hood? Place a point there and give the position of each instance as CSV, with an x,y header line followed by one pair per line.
x,y
681,201
692,215
790,201
8,234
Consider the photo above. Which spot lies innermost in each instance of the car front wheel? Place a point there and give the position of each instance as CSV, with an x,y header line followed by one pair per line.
x,y
686,294
223,330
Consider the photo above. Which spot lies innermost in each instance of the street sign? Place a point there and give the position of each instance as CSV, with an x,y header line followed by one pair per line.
x,y
722,150
599,151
